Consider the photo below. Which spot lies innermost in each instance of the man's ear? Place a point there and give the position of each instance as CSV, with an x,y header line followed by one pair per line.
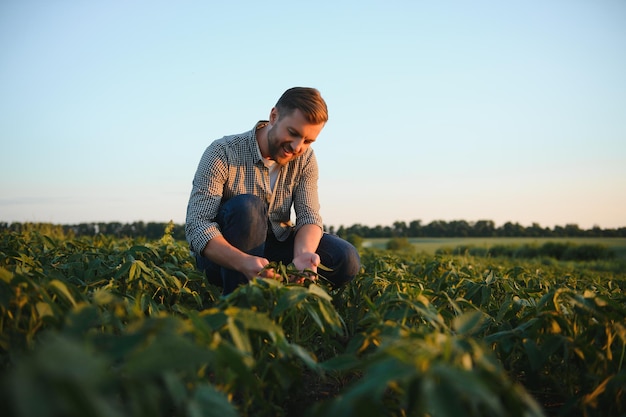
x,y
273,115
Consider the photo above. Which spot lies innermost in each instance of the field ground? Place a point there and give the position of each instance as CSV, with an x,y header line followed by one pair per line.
x,y
431,245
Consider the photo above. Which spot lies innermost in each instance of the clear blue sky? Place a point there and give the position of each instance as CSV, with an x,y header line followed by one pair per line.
x,y
452,110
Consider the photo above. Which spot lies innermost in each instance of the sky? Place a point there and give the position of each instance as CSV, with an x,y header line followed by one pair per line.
x,y
510,111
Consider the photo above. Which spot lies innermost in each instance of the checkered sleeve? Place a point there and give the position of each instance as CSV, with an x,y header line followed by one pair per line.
x,y
305,198
206,197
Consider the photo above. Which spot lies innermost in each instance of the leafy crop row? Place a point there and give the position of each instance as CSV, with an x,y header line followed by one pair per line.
x,y
114,327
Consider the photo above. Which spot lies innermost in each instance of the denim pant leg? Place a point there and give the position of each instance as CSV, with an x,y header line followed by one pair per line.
x,y
340,256
243,223
335,253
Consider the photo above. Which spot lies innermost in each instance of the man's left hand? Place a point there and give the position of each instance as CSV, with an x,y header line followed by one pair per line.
x,y
306,261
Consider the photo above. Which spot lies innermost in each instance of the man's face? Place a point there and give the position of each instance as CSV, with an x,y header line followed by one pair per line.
x,y
290,136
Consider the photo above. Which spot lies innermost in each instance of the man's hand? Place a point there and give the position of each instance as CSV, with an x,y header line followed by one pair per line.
x,y
254,267
306,261
223,253
304,257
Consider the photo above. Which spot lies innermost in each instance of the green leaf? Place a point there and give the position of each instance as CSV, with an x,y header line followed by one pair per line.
x,y
442,400
81,319
239,336
468,323
324,268
214,318
44,309
103,297
318,291
145,268
166,352
307,357
124,269
138,249
235,360
6,275
314,315
61,288
289,299
254,320
469,385
533,353
176,388
207,402
485,295
330,316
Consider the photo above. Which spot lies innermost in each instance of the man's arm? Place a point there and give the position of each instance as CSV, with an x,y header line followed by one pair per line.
x,y
205,198
306,242
223,253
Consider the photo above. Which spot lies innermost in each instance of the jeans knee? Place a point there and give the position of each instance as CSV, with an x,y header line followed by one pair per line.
x,y
244,209
243,221
342,258
353,261
246,204
350,265
250,202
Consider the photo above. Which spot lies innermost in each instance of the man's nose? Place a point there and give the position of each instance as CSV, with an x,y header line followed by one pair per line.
x,y
296,145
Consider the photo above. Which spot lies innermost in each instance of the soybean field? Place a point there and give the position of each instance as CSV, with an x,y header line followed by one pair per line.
x,y
101,326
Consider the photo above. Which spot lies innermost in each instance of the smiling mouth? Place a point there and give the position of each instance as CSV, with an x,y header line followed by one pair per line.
x,y
286,152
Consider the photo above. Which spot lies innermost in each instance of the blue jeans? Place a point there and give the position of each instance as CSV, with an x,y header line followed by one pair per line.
x,y
243,221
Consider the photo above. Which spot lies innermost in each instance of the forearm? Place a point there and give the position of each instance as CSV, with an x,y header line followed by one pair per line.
x,y
306,242
307,239
224,254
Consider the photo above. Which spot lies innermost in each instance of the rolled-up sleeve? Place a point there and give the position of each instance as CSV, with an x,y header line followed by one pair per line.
x,y
206,197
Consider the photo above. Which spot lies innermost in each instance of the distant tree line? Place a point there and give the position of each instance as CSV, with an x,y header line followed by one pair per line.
x,y
481,228
150,230
437,228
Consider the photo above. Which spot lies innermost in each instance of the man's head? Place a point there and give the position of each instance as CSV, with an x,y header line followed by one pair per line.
x,y
308,100
294,123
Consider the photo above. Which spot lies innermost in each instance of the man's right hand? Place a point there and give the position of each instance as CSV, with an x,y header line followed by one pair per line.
x,y
223,253
254,267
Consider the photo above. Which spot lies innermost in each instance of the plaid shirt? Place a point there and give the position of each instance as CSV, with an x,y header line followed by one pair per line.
x,y
233,165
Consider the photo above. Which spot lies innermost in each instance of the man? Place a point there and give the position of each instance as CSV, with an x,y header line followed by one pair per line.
x,y
238,216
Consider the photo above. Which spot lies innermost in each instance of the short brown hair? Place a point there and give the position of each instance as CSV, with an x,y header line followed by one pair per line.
x,y
308,100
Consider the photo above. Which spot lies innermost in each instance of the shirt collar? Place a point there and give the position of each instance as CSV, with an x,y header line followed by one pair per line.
x,y
255,143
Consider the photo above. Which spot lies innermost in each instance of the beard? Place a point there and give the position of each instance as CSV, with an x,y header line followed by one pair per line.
x,y
279,152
